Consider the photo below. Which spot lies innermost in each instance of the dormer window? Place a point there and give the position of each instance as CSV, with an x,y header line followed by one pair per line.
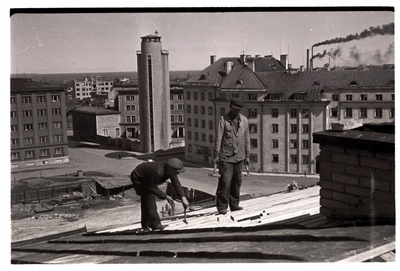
x,y
353,84
239,82
202,77
316,83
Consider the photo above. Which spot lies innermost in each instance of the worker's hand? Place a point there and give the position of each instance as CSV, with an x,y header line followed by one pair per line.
x,y
247,161
170,200
215,160
185,202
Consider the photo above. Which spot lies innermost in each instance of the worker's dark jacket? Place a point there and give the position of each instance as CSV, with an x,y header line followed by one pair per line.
x,y
150,175
232,145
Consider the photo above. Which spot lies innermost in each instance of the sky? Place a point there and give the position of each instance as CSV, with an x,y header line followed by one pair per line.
x,y
107,42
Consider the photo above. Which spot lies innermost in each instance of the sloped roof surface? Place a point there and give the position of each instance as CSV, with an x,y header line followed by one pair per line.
x,y
242,77
28,85
95,110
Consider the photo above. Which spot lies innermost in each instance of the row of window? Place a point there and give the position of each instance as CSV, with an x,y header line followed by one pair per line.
x,y
39,99
41,112
363,97
92,89
42,153
178,118
42,126
203,123
178,97
362,113
179,107
42,139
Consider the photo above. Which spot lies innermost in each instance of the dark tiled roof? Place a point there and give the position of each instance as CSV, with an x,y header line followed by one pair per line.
x,y
18,85
242,77
95,110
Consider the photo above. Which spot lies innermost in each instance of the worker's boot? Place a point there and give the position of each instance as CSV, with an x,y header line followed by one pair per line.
x,y
159,227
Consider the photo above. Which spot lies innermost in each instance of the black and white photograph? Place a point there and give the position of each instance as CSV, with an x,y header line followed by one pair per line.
x,y
201,135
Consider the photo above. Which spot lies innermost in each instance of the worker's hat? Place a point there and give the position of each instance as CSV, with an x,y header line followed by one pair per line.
x,y
177,164
237,103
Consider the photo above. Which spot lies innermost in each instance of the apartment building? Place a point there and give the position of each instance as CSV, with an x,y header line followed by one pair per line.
x,y
177,104
91,85
38,123
284,108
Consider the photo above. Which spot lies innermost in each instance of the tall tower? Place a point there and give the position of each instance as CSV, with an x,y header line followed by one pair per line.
x,y
154,95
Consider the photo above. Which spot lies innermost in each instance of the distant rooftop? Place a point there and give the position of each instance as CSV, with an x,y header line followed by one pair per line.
x,y
28,85
95,110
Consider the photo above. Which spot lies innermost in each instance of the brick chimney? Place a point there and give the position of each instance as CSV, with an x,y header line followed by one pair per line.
x,y
284,61
212,59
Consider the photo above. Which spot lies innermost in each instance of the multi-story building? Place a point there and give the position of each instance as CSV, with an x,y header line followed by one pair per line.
x,y
177,111
89,122
91,85
154,91
284,108
38,123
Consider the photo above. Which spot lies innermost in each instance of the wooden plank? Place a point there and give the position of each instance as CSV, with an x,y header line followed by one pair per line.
x,y
372,253
80,258
389,257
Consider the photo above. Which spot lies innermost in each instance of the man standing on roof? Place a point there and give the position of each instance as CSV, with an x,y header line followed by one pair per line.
x,y
231,150
145,178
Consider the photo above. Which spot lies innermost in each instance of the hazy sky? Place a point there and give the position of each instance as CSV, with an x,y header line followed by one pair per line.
x,y
101,42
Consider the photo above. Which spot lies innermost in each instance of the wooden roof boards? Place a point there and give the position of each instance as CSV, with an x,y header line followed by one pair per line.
x,y
284,227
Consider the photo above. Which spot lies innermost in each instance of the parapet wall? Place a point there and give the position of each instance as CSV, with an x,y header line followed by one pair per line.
x,y
357,173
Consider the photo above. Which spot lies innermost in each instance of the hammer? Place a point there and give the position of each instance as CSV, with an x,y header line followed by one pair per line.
x,y
184,213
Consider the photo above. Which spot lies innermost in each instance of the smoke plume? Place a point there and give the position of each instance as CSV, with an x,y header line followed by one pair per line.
x,y
387,29
333,53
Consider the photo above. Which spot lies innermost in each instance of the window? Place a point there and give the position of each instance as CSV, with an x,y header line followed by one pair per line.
x,y
252,113
171,97
210,139
202,96
253,128
275,158
222,111
293,113
196,136
180,97
13,114
130,97
335,97
252,97
29,154
42,126
57,124
105,132
190,148
203,110
392,97
189,122
133,118
293,159
189,108
196,123
253,158
171,107
117,132
363,113
293,128
41,99
15,156
210,96
12,100
305,159
275,143
275,112
56,111
57,138
130,107
14,128
180,118
28,127
172,118
349,97
43,139
188,95
378,112
305,129
253,143
210,125
195,109
305,144
180,106
203,137
42,112
293,144
128,118
26,100
391,113
378,97
189,134
195,97
27,113
55,98
14,141
28,140
334,112
348,113
203,124
305,113
210,111
58,151
275,128
363,97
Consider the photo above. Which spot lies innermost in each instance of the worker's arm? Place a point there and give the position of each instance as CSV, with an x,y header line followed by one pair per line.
x,y
247,143
218,138
179,190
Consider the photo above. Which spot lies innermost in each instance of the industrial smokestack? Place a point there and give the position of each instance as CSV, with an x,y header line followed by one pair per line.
x,y
311,59
212,59
284,61
308,59
242,59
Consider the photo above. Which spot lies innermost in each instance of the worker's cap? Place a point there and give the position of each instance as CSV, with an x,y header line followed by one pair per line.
x,y
177,164
236,103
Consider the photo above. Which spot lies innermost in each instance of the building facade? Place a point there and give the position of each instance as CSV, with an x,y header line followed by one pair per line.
x,y
284,108
38,124
154,92
91,85
89,122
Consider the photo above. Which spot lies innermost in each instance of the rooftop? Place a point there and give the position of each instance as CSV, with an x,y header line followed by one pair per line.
x,y
19,85
95,110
